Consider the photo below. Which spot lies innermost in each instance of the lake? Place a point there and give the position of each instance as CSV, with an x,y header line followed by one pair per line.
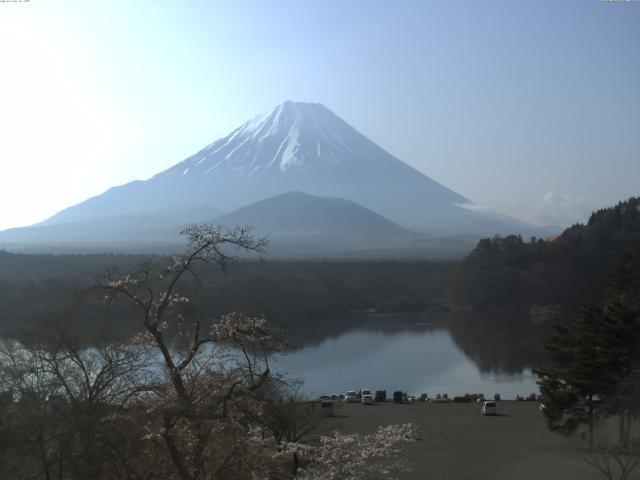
x,y
409,352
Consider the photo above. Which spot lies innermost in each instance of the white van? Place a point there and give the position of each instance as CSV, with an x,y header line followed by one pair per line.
x,y
350,397
488,408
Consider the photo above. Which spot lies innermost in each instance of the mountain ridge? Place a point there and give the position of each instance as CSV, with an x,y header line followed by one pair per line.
x,y
303,214
297,146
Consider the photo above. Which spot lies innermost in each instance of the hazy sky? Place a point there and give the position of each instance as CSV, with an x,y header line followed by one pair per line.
x,y
530,107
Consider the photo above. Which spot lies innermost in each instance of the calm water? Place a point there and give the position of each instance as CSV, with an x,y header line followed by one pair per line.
x,y
413,356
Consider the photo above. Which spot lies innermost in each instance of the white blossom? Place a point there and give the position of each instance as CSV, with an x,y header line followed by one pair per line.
x,y
353,456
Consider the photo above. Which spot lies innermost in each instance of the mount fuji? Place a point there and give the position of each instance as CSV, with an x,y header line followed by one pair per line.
x,y
302,147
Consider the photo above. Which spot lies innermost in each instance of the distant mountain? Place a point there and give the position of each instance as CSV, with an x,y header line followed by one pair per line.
x,y
296,147
125,232
296,224
302,225
104,231
297,213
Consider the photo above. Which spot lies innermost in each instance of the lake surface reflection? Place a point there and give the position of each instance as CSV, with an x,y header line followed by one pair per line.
x,y
398,352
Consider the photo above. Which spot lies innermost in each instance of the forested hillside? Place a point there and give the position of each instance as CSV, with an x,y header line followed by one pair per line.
x,y
42,288
567,270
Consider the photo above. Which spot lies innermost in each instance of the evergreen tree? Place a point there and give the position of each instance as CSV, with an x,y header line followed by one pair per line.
x,y
574,390
597,359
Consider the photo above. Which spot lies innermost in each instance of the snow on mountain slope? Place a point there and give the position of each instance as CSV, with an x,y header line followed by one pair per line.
x,y
293,136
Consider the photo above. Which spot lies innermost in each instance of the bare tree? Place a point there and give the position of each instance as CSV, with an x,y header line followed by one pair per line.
x,y
287,417
30,430
613,457
65,416
291,419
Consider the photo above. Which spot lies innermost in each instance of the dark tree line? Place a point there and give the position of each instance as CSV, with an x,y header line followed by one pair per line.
x,y
570,269
596,372
296,293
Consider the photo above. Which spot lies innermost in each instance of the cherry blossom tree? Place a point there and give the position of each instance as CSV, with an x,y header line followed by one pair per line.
x,y
353,456
212,377
185,398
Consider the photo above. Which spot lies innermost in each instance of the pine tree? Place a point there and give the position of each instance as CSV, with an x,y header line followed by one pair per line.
x,y
574,390
597,359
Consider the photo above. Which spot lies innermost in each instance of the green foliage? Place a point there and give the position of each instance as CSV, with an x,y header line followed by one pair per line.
x,y
592,358
624,284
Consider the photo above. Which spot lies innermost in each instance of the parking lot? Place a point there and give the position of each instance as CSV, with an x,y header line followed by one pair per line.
x,y
457,442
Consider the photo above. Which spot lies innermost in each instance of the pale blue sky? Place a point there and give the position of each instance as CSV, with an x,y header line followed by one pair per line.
x,y
531,107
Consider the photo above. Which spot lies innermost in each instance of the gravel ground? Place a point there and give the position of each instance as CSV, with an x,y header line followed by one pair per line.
x,y
456,442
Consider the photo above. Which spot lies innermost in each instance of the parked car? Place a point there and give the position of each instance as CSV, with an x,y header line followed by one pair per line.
x,y
324,398
462,399
488,408
367,399
381,396
365,391
351,397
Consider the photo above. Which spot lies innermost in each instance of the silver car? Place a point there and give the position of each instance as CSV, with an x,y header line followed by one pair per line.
x,y
367,399
488,408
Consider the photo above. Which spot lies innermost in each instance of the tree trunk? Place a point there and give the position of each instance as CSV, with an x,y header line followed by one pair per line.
x,y
591,422
296,464
623,433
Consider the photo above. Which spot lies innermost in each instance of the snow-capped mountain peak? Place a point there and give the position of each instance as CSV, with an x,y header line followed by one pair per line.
x,y
294,135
